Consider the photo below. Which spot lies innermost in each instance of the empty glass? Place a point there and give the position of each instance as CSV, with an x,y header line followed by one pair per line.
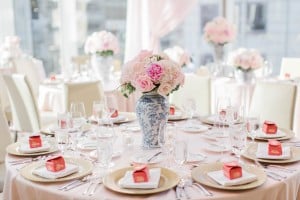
x,y
77,112
180,152
238,140
189,106
62,140
98,107
252,126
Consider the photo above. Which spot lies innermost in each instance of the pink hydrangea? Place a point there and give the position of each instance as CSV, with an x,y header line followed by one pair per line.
x,y
154,71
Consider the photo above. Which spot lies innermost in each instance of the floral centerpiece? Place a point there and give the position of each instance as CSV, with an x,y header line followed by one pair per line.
x,y
149,72
219,32
156,76
178,55
245,61
102,46
9,49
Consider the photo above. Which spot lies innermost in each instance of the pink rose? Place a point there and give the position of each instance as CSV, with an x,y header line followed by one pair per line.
x,y
164,89
144,83
154,71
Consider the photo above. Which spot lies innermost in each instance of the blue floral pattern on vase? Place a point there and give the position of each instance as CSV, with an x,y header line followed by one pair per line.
x,y
152,110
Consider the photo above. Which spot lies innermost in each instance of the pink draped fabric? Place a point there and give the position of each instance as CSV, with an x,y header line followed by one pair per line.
x,y
149,20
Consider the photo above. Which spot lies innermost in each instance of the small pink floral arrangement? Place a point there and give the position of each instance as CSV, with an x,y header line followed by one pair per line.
x,y
178,55
103,43
246,59
219,31
11,47
149,72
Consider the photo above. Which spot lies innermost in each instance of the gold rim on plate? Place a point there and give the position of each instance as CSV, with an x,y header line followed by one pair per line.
x,y
85,168
14,149
199,174
250,153
168,180
289,134
129,117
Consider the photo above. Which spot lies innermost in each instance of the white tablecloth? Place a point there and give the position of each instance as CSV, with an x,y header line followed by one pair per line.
x,y
16,187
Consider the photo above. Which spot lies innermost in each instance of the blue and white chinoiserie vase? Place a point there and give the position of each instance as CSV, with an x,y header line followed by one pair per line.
x,y
152,111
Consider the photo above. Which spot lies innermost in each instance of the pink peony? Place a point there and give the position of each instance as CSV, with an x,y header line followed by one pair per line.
x,y
154,71
164,89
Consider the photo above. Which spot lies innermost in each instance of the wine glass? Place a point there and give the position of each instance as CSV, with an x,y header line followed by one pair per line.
x,y
222,108
252,125
98,107
238,139
62,140
189,107
77,112
110,108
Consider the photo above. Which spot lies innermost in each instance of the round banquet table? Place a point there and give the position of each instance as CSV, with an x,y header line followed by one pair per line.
x,y
17,187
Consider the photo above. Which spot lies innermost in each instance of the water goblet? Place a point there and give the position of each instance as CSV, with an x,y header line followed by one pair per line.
x,y
189,107
98,107
77,112
238,140
62,140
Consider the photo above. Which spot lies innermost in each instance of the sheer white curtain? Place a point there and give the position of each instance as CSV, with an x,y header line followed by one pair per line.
x,y
149,20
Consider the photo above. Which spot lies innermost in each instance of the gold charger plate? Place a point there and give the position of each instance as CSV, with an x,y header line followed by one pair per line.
x,y
199,174
85,168
14,149
289,134
250,153
168,180
129,117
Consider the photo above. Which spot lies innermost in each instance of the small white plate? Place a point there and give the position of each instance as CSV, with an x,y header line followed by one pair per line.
x,y
194,128
195,157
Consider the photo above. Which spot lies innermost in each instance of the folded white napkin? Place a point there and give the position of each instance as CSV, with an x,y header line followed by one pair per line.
x,y
25,148
278,134
43,172
220,178
113,119
128,182
262,152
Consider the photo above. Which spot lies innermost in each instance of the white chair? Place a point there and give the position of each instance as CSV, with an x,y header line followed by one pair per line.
x,y
290,68
85,92
4,142
197,88
33,69
25,114
274,101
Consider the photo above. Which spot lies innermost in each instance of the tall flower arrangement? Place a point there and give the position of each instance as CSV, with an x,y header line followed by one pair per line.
x,y
246,59
219,31
149,72
179,55
102,43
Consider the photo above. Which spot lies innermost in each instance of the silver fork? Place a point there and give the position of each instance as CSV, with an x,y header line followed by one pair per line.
x,y
93,190
202,189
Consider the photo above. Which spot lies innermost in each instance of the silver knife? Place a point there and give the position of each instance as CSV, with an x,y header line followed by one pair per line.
x,y
152,157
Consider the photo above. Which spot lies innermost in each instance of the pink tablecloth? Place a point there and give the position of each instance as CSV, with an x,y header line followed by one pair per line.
x,y
16,187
